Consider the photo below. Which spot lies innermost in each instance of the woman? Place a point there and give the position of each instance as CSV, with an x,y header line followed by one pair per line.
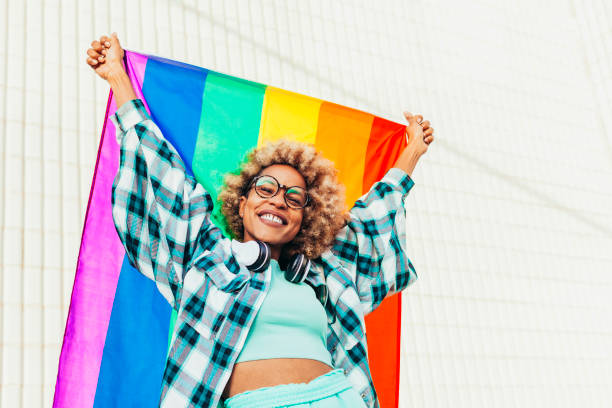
x,y
249,333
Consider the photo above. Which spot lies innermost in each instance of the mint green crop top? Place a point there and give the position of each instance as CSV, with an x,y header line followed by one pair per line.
x,y
291,323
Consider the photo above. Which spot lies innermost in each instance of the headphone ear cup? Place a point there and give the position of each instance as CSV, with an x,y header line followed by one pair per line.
x,y
298,268
263,260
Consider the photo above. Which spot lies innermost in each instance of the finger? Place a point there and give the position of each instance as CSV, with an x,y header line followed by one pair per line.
x,y
96,45
105,41
92,53
429,139
425,125
92,62
428,132
419,118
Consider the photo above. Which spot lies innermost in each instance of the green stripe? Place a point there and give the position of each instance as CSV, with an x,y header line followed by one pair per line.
x,y
229,127
172,322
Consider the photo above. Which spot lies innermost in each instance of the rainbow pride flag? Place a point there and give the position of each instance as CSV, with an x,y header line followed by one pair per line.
x,y
117,332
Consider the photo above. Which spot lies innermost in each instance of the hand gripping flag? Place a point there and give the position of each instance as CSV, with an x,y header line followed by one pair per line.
x,y
118,327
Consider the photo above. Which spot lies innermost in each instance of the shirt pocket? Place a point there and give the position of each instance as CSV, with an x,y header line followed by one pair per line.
x,y
222,269
204,306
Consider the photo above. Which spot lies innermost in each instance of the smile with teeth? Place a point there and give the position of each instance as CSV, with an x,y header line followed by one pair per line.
x,y
272,218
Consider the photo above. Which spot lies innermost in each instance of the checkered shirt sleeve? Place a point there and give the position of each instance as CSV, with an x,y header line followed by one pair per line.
x,y
372,246
160,212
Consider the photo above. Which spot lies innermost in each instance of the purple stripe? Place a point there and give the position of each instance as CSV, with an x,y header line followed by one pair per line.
x,y
100,259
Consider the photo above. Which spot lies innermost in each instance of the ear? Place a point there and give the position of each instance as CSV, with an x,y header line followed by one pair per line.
x,y
243,201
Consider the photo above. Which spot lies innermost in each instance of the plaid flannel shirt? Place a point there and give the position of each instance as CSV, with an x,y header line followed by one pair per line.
x,y
162,216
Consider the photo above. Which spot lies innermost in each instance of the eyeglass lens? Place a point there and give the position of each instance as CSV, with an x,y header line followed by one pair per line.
x,y
267,186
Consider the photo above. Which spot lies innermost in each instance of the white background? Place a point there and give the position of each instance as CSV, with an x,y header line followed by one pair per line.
x,y
510,219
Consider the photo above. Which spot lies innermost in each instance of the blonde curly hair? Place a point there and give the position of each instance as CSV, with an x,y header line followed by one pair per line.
x,y
323,217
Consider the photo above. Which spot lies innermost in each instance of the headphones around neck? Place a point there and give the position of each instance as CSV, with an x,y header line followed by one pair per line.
x,y
256,256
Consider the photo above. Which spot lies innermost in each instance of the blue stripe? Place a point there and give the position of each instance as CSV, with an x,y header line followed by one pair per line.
x,y
174,91
136,342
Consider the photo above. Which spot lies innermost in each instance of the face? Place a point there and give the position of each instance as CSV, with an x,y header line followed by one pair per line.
x,y
271,220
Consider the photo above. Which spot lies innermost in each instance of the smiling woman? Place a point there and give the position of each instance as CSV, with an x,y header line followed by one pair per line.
x,y
309,230
259,336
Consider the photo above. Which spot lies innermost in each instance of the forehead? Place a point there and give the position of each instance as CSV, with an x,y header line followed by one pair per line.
x,y
285,174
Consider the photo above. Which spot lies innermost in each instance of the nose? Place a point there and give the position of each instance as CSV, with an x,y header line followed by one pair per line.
x,y
279,199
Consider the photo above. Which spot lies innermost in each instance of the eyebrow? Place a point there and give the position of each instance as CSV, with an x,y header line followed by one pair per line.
x,y
305,187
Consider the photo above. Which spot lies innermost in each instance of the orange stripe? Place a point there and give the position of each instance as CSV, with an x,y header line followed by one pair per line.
x,y
342,137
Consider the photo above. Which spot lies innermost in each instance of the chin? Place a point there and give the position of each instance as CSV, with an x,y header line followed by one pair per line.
x,y
271,239
272,236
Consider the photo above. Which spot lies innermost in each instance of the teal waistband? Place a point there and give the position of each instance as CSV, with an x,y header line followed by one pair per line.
x,y
326,385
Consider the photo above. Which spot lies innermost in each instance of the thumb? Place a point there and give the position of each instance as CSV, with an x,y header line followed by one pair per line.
x,y
114,39
409,117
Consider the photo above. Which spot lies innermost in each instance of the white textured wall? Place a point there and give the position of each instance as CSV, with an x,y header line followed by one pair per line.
x,y
511,216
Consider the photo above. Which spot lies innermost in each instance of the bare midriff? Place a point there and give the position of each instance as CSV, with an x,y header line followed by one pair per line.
x,y
251,375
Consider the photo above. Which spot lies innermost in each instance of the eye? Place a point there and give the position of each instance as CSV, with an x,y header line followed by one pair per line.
x,y
294,201
266,186
266,189
296,197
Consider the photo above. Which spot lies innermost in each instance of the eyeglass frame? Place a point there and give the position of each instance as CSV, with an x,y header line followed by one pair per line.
x,y
280,186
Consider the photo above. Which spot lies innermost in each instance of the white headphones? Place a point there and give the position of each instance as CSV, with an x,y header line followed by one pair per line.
x,y
255,255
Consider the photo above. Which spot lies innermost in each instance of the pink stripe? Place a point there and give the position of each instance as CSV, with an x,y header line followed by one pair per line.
x,y
100,259
136,64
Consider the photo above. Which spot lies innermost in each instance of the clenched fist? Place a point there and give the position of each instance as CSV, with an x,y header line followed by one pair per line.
x,y
106,56
420,133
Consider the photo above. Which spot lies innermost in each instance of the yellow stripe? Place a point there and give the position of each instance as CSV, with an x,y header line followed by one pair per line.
x,y
288,115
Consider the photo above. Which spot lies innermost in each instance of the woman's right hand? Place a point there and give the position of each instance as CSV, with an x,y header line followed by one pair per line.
x,y
106,56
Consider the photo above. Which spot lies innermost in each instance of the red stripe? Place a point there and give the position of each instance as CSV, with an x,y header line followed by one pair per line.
x,y
386,142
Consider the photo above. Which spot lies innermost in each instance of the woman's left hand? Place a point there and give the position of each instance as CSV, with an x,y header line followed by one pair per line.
x,y
419,133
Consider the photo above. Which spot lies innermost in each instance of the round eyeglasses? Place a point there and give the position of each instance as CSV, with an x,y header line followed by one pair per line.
x,y
267,187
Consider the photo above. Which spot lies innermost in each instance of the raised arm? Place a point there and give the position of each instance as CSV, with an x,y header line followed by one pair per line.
x,y
161,214
372,246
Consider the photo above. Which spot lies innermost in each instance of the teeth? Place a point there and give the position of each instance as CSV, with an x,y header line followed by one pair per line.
x,y
272,218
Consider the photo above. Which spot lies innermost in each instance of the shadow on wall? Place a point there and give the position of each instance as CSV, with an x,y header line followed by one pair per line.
x,y
275,53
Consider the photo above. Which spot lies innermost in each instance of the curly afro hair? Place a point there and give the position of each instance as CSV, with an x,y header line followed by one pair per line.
x,y
325,214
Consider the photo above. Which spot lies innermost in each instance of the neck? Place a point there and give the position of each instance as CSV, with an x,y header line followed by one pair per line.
x,y
275,252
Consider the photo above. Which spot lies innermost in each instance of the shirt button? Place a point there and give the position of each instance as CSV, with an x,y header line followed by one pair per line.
x,y
363,395
345,371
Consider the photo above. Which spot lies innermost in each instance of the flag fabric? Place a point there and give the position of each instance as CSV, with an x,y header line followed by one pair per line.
x,y
118,328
